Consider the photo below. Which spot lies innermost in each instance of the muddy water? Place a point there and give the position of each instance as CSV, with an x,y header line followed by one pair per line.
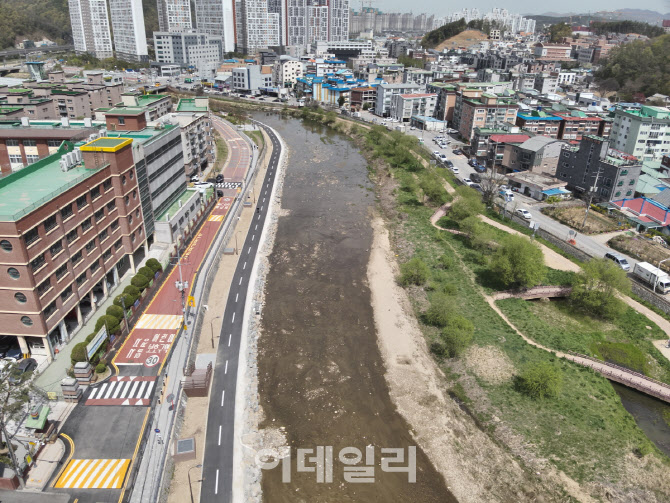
x,y
321,375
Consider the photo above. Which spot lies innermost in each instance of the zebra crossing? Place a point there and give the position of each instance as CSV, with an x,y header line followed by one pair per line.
x,y
159,321
93,474
228,185
216,218
123,390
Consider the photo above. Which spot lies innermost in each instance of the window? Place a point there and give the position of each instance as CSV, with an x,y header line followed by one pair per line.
x,y
134,195
20,298
29,143
94,266
12,143
99,215
30,159
103,235
130,220
66,212
122,121
6,245
137,214
26,321
106,255
617,194
620,183
111,206
127,200
95,193
50,223
44,287
86,225
61,271
114,226
106,185
81,202
132,237
54,143
131,174
31,236
56,248
66,293
37,262
629,192
81,279
15,159
117,245
50,309
72,236
123,179
90,245
76,258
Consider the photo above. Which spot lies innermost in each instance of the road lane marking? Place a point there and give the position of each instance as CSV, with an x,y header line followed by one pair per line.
x,y
253,236
225,371
233,321
236,296
249,250
223,396
229,337
93,474
244,266
216,485
219,434
263,199
240,281
256,228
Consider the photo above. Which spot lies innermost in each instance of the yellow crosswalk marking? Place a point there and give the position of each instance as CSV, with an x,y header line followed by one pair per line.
x,y
159,321
93,474
216,218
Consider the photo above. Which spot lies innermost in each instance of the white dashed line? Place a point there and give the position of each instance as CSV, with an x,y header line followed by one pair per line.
x,y
240,281
223,396
219,434
253,236
236,296
244,266
229,338
249,250
216,485
233,320
225,370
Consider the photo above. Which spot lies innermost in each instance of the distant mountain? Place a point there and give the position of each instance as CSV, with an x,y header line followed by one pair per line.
x,y
643,15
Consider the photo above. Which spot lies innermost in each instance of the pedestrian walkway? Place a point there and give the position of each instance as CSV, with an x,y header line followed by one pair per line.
x,y
45,464
123,390
50,378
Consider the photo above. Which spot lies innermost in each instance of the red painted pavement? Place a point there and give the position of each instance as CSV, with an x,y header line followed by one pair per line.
x,y
149,342
240,153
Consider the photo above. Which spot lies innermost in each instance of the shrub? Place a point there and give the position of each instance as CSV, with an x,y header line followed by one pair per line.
x,y
147,272
540,380
445,261
140,281
466,206
116,311
518,263
78,353
111,322
154,265
413,272
438,348
100,368
132,290
440,311
596,286
457,335
125,300
90,337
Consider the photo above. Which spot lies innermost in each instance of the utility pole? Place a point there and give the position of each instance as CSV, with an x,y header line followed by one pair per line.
x,y
592,191
12,455
181,285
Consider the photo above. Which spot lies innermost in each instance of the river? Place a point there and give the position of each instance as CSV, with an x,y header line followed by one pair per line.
x,y
321,375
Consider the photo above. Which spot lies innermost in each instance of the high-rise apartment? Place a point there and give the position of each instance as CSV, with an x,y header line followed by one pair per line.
x,y
90,27
130,39
217,17
174,15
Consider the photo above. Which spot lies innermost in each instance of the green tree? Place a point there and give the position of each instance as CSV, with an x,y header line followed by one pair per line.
x,y
467,204
596,286
78,353
457,335
154,265
112,323
125,300
340,101
518,262
440,311
540,380
140,281
147,272
413,272
560,31
434,190
115,311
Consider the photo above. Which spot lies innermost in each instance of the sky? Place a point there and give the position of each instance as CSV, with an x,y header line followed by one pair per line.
x,y
521,6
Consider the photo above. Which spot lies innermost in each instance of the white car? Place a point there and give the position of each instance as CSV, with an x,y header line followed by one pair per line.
x,y
524,213
203,185
454,170
467,181
443,158
436,154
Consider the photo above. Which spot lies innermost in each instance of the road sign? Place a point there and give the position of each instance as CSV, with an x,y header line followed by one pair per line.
x,y
151,361
191,301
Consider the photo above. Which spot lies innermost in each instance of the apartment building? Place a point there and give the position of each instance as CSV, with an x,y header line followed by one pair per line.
x,y
552,52
217,18
174,15
23,142
130,39
251,78
479,109
286,72
256,27
362,96
643,132
385,93
197,134
26,104
70,225
576,124
539,122
594,167
189,48
90,27
405,106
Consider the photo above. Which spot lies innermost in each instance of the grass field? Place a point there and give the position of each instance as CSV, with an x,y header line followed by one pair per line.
x,y
573,216
641,249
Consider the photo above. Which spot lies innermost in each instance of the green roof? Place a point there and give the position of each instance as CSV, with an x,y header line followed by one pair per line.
x,y
188,105
125,110
143,136
8,109
175,205
66,92
39,422
147,99
29,188
18,90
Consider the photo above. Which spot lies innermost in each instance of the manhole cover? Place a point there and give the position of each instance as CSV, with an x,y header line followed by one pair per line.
x,y
185,445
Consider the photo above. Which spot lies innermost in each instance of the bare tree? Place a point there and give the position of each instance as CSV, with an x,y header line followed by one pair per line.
x,y
490,184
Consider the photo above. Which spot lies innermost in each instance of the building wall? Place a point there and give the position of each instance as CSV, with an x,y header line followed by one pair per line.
x,y
130,40
217,18
174,15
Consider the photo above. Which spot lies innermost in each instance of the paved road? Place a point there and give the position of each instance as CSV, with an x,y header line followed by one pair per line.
x,y
217,470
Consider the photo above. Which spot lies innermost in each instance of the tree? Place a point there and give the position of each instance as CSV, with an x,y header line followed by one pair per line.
x,y
147,272
78,353
540,380
457,335
16,397
434,190
468,204
340,101
139,281
560,31
441,310
154,265
518,262
413,272
490,186
111,323
596,286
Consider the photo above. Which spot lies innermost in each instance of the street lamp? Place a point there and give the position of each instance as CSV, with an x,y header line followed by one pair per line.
x,y
189,480
211,327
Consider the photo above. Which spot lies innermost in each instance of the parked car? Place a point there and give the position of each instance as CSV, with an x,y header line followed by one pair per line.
x,y
443,158
524,213
619,260
203,185
23,367
436,154
475,177
449,164
219,178
467,181
457,151
476,186
13,353
455,170
480,169
195,178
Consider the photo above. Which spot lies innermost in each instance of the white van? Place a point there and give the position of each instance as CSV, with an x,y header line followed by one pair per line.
x,y
507,194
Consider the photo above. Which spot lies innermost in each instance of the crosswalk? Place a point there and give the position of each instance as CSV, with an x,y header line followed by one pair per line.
x,y
123,390
228,185
216,218
93,474
159,321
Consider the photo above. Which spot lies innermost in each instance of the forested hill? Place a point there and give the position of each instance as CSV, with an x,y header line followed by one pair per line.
x,y
34,19
439,35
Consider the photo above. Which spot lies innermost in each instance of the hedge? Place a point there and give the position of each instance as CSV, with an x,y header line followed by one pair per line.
x,y
132,290
125,298
78,353
154,265
111,322
90,337
116,311
140,281
100,368
147,272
